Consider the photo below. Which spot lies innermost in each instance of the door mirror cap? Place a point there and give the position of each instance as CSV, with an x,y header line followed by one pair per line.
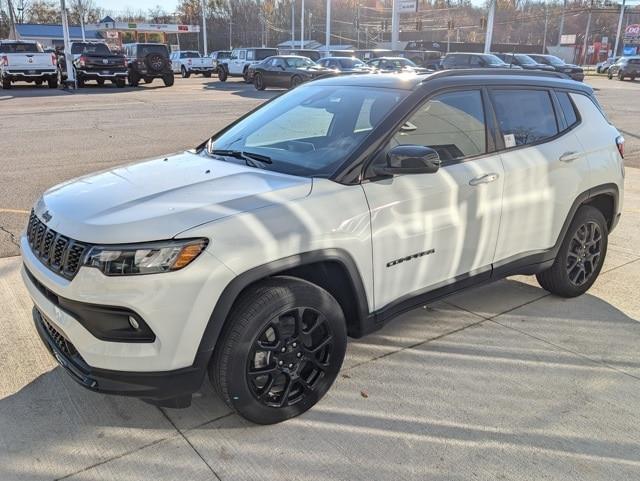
x,y
410,159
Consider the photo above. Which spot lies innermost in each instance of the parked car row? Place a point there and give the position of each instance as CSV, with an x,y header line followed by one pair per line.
x,y
625,67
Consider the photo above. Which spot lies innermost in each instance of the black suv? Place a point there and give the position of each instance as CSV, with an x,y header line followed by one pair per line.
x,y
524,61
474,60
626,67
148,61
559,65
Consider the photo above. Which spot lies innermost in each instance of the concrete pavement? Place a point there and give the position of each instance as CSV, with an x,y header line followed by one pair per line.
x,y
502,382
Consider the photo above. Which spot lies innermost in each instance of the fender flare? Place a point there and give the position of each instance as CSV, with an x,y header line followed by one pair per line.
x,y
225,302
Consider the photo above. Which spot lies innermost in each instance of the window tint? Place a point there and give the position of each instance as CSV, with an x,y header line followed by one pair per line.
x,y
476,60
20,48
452,124
524,116
568,109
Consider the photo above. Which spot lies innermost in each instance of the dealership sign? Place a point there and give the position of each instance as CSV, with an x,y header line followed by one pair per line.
x,y
145,27
407,6
632,34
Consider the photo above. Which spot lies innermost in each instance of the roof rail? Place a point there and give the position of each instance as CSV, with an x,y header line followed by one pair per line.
x,y
496,71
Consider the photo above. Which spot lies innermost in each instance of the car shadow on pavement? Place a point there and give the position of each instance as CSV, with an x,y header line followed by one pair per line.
x,y
25,91
242,89
546,378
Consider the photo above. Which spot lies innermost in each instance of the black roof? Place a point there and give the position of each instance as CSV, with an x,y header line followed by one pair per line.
x,y
458,77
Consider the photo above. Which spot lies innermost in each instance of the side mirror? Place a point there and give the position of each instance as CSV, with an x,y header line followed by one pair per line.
x,y
410,159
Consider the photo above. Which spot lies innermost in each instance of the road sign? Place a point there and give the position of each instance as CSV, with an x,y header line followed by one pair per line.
x,y
407,6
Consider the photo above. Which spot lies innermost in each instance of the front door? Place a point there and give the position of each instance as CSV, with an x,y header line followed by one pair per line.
x,y
429,230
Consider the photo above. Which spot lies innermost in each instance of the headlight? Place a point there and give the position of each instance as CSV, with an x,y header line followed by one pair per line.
x,y
147,258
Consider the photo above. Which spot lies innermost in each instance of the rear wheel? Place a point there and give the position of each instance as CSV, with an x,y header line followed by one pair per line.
x,y
100,82
258,82
134,78
580,257
6,84
207,74
185,73
609,75
295,81
38,83
120,83
148,80
80,82
52,83
620,76
280,351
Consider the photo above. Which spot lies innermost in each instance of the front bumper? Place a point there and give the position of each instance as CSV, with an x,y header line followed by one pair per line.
x,y
201,70
170,389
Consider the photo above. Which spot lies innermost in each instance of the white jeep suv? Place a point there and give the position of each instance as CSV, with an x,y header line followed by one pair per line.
x,y
322,214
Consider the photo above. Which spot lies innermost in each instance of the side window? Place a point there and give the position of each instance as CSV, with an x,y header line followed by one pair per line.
x,y
242,54
451,123
568,109
476,61
524,116
250,55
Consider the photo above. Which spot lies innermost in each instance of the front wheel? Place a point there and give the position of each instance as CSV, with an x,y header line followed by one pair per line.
x,y
609,75
620,76
184,72
580,257
258,82
222,74
207,74
281,350
6,84
295,81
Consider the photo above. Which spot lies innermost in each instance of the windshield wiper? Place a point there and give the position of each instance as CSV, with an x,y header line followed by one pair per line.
x,y
248,157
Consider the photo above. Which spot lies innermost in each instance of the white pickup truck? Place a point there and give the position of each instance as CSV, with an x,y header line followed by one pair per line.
x,y
187,62
27,62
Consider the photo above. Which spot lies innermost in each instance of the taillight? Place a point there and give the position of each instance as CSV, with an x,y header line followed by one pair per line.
x,y
54,60
83,60
4,61
620,145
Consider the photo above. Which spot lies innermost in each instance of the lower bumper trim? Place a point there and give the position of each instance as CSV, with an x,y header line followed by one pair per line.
x,y
166,388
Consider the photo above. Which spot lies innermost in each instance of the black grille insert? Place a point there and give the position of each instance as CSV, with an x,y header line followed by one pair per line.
x,y
59,253
58,339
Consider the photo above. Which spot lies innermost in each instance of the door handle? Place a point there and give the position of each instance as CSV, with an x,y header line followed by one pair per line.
x,y
484,179
569,156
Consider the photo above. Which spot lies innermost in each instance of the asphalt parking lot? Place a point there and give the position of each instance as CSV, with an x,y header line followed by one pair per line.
x,y
502,382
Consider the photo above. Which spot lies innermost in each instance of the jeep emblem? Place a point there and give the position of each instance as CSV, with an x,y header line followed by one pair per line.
x,y
46,216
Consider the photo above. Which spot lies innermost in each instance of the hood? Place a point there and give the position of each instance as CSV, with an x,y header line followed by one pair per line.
x,y
160,198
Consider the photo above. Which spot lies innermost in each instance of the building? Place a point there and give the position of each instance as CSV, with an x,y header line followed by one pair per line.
x,y
51,35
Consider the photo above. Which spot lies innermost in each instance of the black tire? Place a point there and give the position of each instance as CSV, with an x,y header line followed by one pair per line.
x,y
155,62
295,81
52,83
275,314
578,254
609,75
100,82
120,82
134,78
207,74
6,84
620,76
223,74
148,80
80,82
245,75
185,73
38,83
168,79
258,82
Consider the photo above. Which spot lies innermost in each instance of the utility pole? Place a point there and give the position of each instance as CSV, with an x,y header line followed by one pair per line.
x,y
302,26
561,28
619,32
586,35
204,26
327,30
293,23
546,24
12,20
395,25
71,79
489,34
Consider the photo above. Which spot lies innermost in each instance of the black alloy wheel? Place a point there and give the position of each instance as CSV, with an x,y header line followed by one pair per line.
x,y
258,81
155,62
584,253
289,358
281,349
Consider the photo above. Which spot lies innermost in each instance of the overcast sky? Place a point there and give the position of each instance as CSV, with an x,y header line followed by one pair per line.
x,y
168,5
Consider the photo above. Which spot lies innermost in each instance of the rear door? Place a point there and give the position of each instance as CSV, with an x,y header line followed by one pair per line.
x,y
430,230
545,169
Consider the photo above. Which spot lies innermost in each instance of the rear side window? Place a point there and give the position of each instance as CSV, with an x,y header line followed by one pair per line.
x,y
568,109
524,116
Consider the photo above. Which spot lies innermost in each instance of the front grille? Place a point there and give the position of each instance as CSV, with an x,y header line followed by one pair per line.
x,y
59,253
58,339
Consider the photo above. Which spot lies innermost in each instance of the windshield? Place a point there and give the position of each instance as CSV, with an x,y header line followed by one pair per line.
x,y
351,63
553,60
311,130
90,49
492,60
20,48
297,62
145,49
190,55
525,59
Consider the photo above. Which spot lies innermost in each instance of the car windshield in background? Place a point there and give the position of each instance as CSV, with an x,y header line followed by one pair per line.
x,y
492,60
147,49
405,62
298,62
20,48
309,131
525,59
263,53
555,60
351,63
191,55
90,49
